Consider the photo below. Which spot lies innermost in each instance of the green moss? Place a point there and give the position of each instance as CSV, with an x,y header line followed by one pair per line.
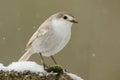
x,y
55,69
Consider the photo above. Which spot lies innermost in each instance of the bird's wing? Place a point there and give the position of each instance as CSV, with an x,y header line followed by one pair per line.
x,y
42,31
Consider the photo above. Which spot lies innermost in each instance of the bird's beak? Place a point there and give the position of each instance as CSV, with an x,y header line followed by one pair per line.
x,y
74,21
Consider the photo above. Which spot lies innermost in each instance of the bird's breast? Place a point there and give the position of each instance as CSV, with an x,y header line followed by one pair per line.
x,y
53,42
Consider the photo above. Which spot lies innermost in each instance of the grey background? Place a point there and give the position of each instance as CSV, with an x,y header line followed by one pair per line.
x,y
94,50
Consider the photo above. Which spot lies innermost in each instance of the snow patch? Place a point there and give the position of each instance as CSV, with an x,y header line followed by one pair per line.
x,y
25,65
2,67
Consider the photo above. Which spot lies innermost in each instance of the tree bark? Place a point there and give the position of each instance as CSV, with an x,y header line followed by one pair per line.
x,y
27,75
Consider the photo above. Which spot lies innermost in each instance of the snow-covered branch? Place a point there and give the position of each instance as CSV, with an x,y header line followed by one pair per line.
x,y
28,70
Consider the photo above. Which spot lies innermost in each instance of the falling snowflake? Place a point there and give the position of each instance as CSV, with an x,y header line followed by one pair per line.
x,y
93,54
19,29
22,51
34,27
3,38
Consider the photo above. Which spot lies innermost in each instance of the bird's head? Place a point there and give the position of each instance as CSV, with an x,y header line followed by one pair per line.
x,y
64,18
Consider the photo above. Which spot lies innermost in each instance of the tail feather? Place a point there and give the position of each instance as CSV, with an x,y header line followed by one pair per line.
x,y
25,56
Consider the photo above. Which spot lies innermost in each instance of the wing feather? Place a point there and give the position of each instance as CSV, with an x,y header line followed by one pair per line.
x,y
42,31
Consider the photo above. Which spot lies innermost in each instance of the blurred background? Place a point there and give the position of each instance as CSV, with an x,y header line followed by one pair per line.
x,y
94,50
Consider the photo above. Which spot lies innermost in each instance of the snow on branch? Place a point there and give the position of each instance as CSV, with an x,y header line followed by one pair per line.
x,y
28,70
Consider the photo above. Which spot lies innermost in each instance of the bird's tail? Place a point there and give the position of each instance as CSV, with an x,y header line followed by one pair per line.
x,y
26,56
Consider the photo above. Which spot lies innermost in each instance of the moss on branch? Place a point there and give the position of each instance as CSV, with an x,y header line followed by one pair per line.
x,y
54,73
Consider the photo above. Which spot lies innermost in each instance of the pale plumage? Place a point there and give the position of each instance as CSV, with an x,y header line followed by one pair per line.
x,y
51,36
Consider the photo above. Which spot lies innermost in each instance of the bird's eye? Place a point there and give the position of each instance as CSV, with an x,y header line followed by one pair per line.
x,y
65,17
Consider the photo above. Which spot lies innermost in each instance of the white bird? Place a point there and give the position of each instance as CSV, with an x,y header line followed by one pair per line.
x,y
51,37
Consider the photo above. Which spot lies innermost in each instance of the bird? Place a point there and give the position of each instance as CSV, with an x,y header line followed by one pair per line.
x,y
51,37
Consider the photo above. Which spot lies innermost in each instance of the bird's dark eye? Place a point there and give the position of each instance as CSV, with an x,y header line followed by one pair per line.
x,y
65,17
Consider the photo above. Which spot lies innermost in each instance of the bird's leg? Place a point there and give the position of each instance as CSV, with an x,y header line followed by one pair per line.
x,y
42,61
53,59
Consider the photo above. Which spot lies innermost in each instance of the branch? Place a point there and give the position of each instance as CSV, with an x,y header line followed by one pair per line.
x,y
31,71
